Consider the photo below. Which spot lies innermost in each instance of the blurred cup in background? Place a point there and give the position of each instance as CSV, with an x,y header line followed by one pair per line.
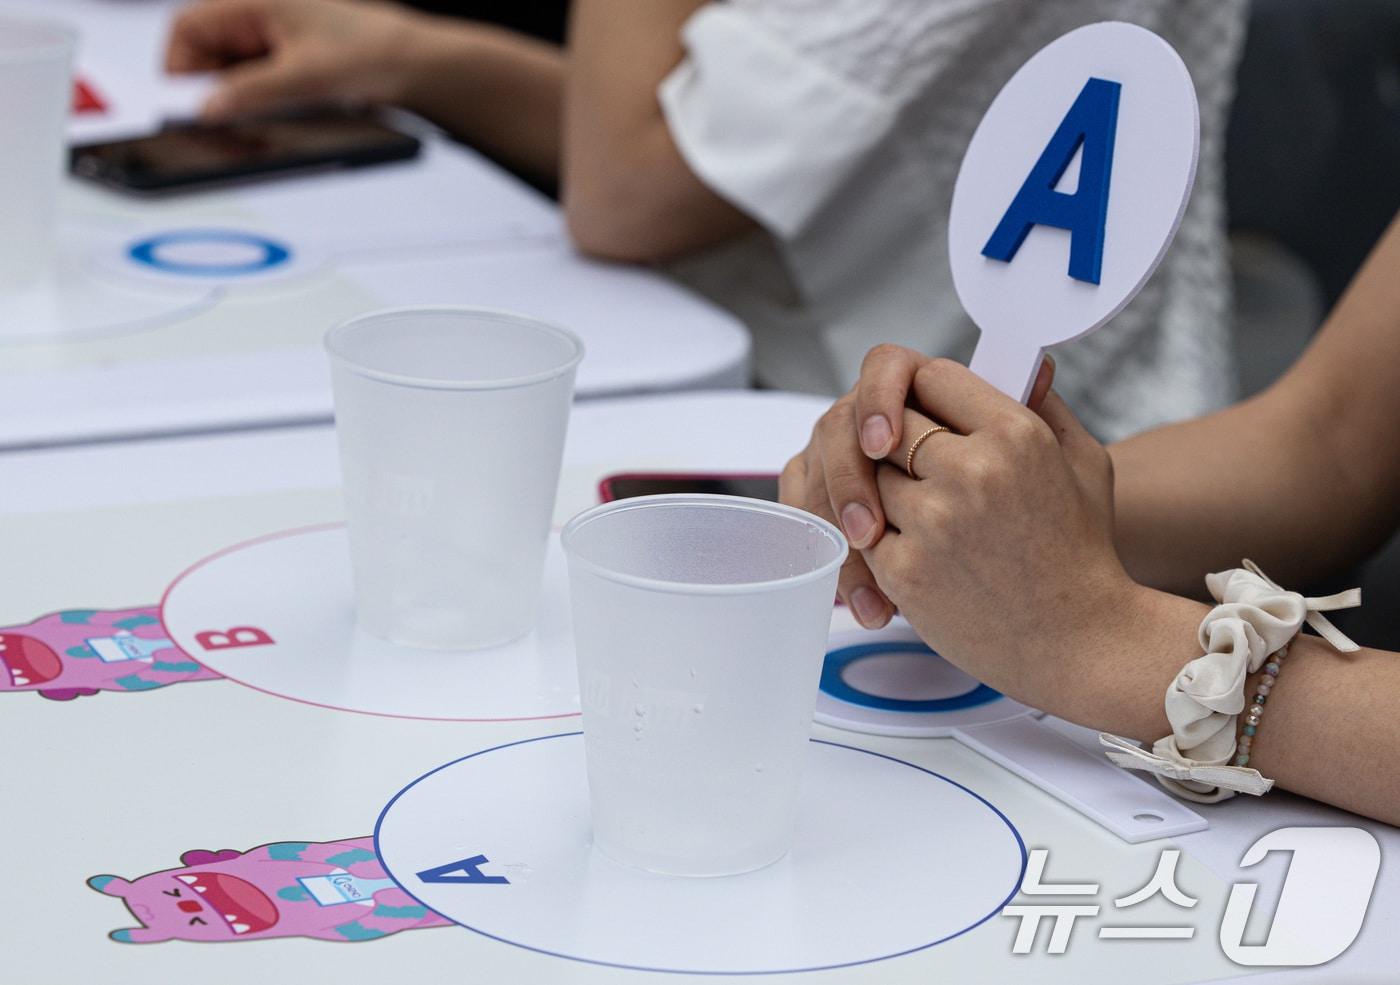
x,y
36,94
451,426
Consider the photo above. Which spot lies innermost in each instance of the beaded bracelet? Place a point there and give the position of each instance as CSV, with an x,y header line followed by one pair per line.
x,y
1254,715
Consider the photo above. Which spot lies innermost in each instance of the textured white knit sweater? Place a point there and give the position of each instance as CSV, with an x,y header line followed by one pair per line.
x,y
839,126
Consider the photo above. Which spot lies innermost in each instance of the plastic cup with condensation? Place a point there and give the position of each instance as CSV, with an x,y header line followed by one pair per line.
x,y
451,426
36,77
700,624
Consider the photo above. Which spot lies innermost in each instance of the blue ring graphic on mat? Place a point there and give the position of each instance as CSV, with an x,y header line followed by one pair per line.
x,y
1014,831
834,684
147,252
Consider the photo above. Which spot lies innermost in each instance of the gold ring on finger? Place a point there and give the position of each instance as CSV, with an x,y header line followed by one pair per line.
x,y
909,459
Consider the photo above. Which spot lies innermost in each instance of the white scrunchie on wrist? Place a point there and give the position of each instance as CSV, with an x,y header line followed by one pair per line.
x,y
1254,619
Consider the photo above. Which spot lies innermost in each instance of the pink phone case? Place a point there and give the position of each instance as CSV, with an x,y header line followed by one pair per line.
x,y
605,490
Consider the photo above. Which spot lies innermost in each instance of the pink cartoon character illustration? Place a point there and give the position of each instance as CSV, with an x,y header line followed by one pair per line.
x,y
331,891
76,652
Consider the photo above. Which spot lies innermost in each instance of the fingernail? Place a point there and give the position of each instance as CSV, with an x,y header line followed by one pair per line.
x,y
875,435
869,608
859,524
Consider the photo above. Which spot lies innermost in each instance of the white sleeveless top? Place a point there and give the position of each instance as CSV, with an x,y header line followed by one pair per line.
x,y
839,126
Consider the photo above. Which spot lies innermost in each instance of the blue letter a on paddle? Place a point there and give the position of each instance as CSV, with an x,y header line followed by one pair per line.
x,y
1088,128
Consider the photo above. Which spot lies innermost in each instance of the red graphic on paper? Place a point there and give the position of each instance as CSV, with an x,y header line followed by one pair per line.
x,y
86,99
228,639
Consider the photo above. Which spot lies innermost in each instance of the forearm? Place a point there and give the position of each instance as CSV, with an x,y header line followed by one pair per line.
x,y
1329,733
497,90
628,192
591,120
1249,481
1304,479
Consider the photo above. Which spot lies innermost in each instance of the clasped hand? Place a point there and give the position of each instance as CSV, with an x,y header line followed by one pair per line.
x,y
1000,553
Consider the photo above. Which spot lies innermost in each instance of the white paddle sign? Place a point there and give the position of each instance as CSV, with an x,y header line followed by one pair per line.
x,y
1070,193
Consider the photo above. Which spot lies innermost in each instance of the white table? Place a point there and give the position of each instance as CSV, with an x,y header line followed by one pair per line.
x,y
114,347
125,783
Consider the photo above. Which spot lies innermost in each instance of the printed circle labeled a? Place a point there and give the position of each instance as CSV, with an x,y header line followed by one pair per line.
x,y
890,858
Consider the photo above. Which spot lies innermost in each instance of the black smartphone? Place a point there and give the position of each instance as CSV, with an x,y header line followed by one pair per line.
x,y
196,155
625,485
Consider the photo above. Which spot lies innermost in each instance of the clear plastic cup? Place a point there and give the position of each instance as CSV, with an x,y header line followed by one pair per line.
x,y
451,425
36,78
700,624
